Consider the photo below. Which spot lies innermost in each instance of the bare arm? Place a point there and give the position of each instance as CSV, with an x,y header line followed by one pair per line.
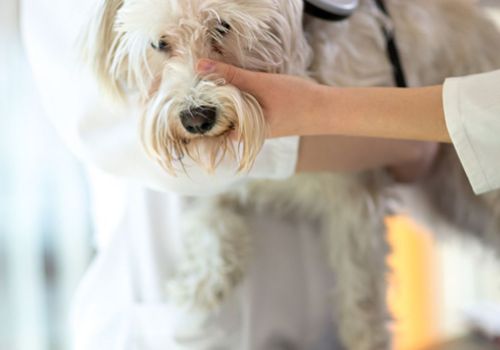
x,y
361,128
295,106
395,113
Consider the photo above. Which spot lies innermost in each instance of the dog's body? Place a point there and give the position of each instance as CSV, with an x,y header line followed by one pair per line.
x,y
437,39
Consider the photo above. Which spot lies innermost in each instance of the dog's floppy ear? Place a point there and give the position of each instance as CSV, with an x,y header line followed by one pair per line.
x,y
100,44
298,53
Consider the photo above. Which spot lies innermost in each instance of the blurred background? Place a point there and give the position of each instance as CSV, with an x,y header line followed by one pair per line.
x,y
438,289
45,226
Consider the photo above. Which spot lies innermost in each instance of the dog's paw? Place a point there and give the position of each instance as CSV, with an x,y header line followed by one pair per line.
x,y
214,259
202,289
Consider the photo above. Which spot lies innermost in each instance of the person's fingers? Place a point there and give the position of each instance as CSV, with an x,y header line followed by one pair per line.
x,y
238,77
205,66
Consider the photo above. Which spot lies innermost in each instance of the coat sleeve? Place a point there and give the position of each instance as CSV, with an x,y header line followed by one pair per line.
x,y
106,136
472,110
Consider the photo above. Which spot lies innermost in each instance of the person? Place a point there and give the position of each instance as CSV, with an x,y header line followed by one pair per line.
x,y
465,111
121,302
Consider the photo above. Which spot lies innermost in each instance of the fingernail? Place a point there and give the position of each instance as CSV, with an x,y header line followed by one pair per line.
x,y
205,66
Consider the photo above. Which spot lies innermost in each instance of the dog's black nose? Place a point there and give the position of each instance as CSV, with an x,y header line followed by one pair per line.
x,y
199,120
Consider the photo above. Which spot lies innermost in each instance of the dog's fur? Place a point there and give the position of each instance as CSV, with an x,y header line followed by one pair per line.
x,y
437,38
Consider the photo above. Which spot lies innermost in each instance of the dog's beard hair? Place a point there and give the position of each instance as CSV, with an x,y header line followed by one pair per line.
x,y
166,141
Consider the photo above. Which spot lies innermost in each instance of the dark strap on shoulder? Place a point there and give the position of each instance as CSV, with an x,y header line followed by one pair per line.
x,y
393,51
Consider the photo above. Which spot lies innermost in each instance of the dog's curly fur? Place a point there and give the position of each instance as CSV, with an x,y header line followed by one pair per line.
x,y
151,46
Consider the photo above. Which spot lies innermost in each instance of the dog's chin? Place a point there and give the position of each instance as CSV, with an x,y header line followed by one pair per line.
x,y
237,136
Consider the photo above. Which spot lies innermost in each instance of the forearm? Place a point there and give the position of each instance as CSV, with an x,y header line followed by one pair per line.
x,y
295,106
411,114
371,117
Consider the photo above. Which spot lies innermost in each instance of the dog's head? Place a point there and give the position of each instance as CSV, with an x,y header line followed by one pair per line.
x,y
151,47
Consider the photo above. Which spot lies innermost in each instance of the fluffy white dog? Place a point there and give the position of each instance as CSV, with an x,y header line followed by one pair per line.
x,y
150,48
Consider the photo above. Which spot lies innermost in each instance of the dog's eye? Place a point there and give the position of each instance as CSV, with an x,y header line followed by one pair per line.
x,y
161,45
223,28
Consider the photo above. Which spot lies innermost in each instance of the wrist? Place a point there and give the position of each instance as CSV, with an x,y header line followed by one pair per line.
x,y
303,113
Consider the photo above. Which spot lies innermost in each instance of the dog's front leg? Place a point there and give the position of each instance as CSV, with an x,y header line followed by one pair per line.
x,y
358,253
213,256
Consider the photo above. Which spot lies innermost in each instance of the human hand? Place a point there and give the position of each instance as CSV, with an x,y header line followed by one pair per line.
x,y
288,102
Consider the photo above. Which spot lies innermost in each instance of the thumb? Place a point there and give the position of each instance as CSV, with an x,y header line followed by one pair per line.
x,y
238,77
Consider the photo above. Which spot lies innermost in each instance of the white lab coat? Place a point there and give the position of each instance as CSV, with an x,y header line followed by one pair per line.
x,y
472,109
121,303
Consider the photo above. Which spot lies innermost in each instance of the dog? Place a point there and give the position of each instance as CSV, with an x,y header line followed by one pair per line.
x,y
149,49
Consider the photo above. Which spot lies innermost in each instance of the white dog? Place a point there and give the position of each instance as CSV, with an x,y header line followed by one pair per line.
x,y
150,47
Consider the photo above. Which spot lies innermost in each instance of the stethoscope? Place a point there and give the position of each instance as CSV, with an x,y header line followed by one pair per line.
x,y
334,10
338,10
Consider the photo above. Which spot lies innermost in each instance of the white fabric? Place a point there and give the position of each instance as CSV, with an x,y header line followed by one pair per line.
x,y
121,304
472,109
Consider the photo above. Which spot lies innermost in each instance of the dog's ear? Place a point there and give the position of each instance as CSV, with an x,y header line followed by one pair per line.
x,y
100,43
298,53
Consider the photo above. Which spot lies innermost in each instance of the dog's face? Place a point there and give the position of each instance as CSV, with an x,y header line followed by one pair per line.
x,y
152,47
